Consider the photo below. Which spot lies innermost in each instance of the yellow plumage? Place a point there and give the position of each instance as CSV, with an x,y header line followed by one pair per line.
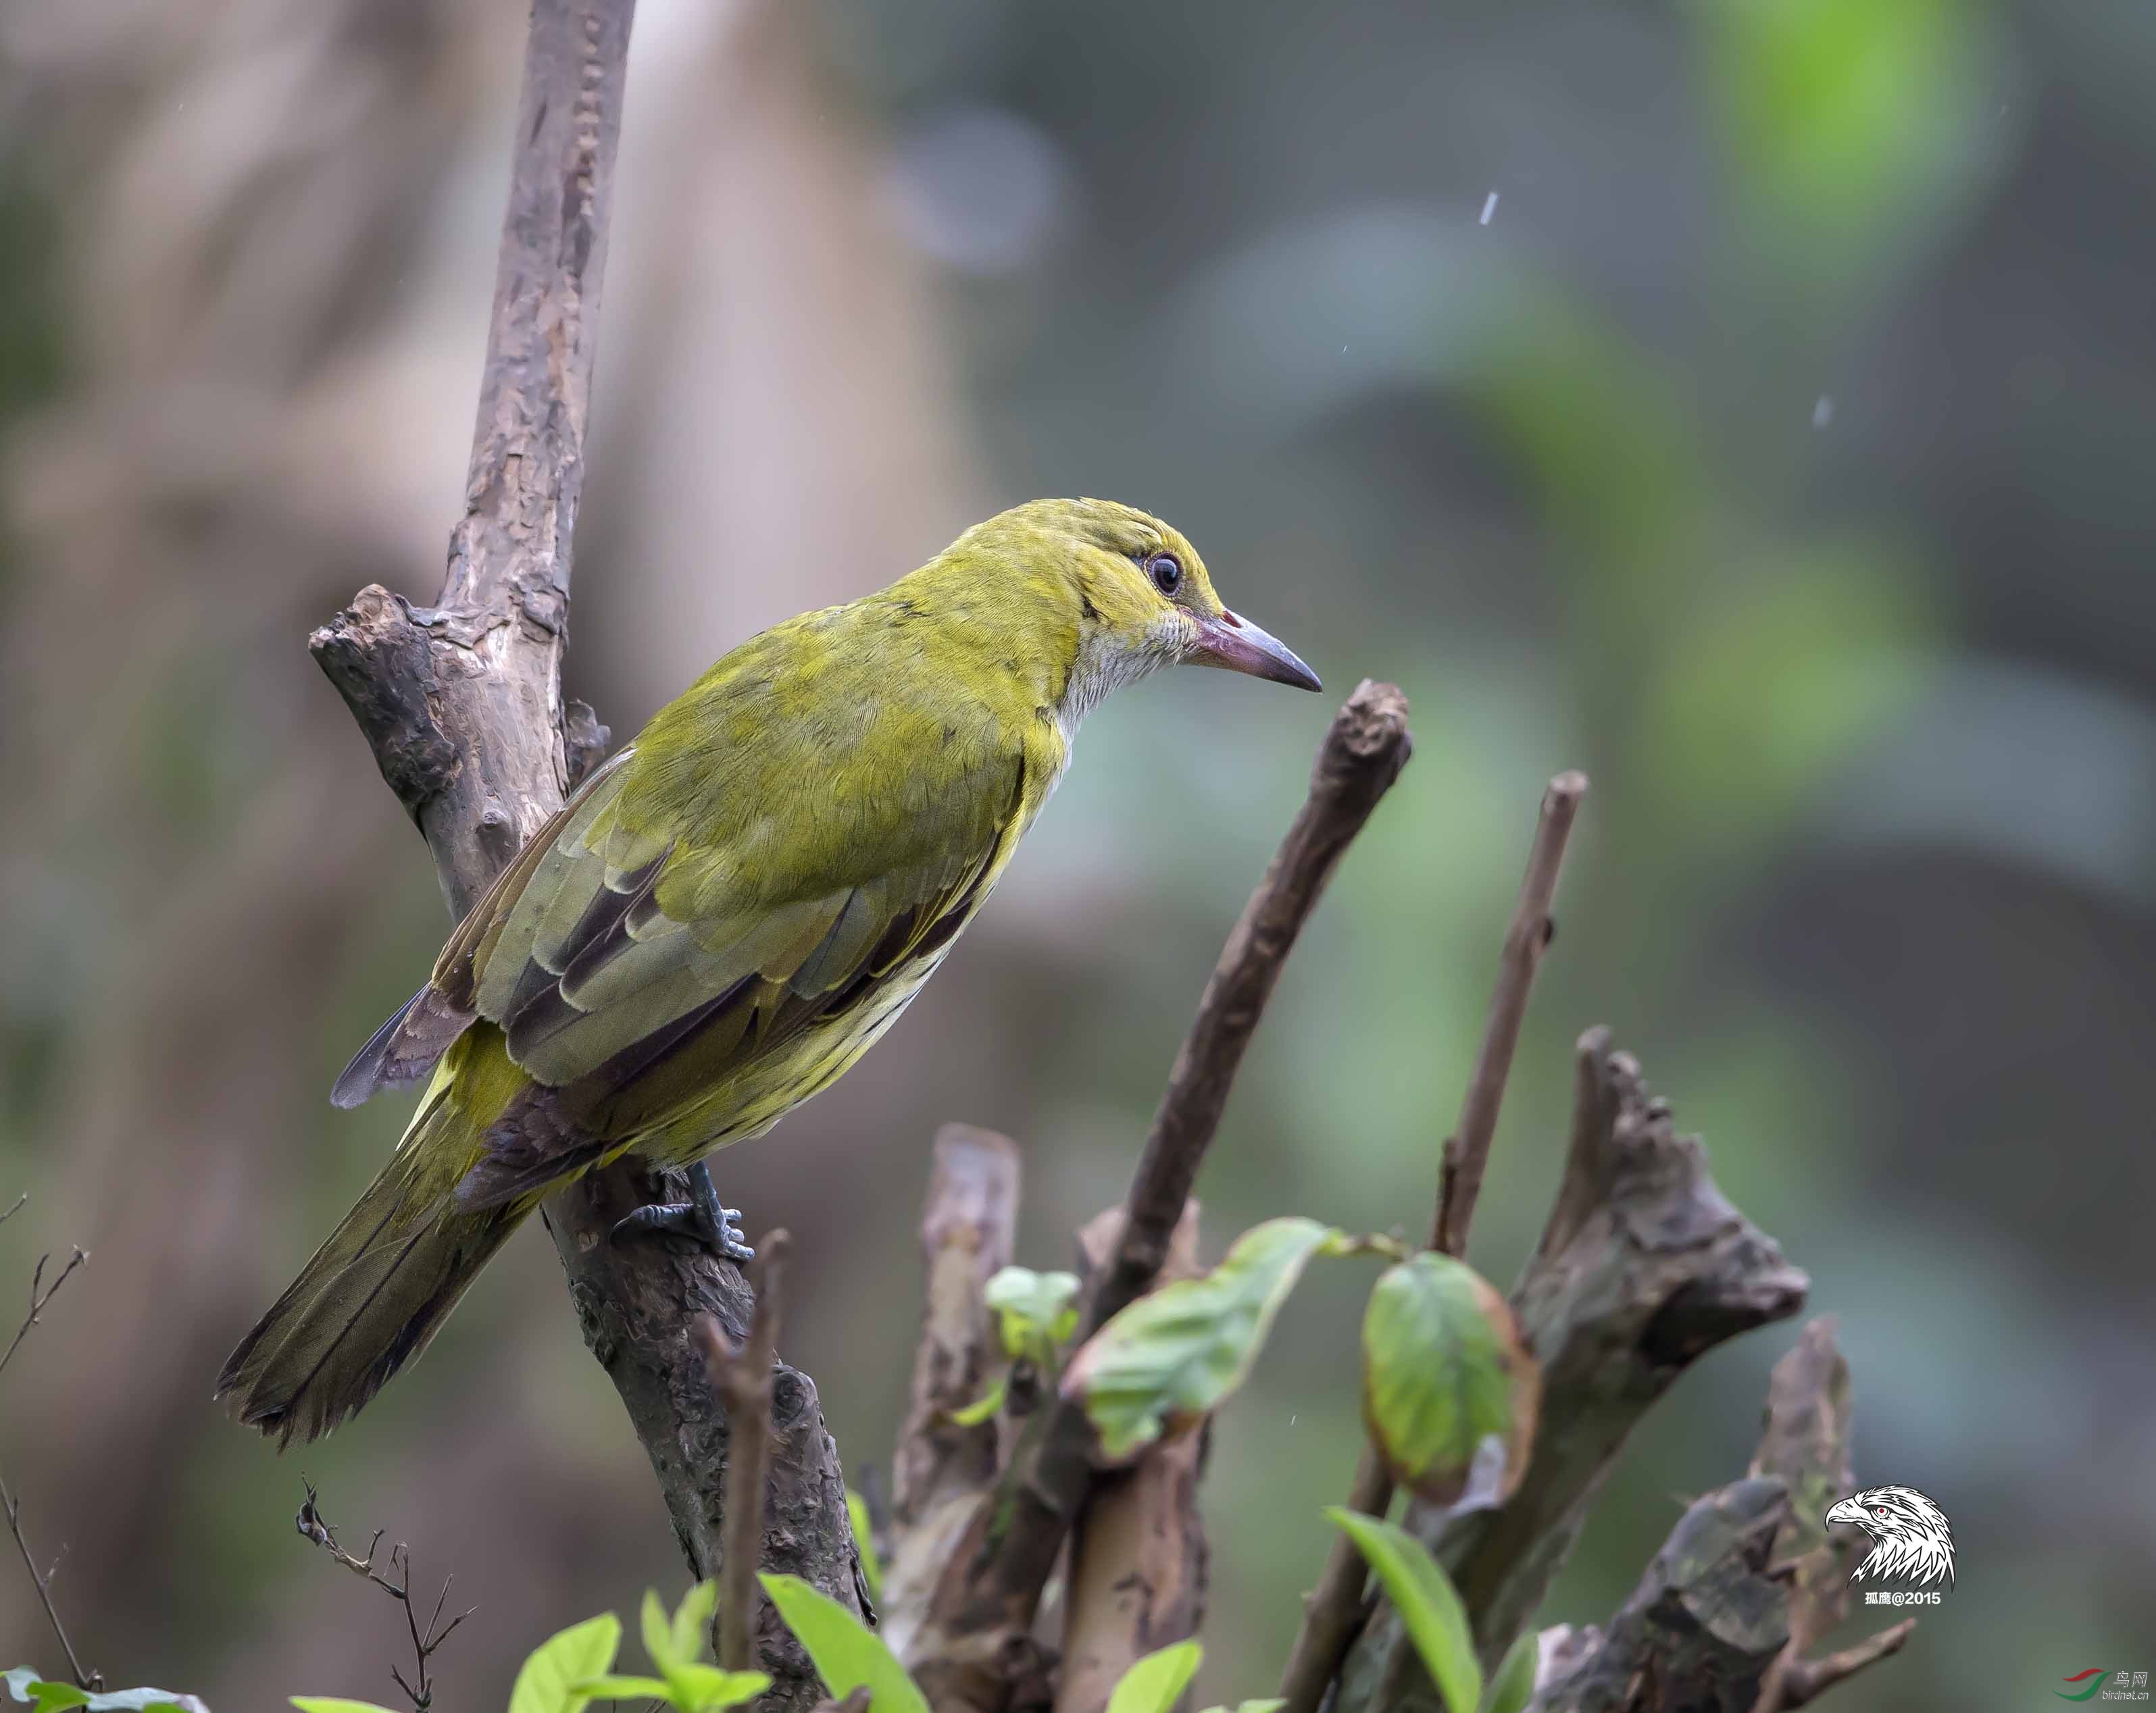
x,y
732,910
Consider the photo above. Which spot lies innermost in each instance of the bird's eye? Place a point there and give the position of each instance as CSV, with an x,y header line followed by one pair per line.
x,y
1166,571
1879,1510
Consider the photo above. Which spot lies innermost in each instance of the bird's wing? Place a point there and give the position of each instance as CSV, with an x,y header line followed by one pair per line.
x,y
645,953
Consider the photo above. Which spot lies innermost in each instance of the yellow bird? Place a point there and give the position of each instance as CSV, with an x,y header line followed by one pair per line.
x,y
730,911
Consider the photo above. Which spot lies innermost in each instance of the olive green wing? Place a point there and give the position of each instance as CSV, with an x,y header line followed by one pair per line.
x,y
630,974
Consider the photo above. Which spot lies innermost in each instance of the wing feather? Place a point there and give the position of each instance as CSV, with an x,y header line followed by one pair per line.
x,y
699,905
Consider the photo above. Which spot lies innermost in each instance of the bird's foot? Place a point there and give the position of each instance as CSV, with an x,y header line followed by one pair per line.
x,y
700,1217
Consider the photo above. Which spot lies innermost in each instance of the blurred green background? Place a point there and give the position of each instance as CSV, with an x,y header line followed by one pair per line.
x,y
1750,401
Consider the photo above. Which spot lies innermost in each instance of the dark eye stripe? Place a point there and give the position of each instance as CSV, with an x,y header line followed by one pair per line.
x,y
1166,571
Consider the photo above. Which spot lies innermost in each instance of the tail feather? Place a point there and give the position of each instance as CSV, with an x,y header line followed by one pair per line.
x,y
367,1303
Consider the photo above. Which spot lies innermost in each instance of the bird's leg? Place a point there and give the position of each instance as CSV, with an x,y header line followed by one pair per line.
x,y
700,1217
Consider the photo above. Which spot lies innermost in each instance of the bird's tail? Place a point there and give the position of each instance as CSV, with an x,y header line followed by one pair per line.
x,y
377,1290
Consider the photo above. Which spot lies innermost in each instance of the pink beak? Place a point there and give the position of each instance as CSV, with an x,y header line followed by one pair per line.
x,y
1239,646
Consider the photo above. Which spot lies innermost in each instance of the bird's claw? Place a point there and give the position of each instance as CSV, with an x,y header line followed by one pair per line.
x,y
702,1217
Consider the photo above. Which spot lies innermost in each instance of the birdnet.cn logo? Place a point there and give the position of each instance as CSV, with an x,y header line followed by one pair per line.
x,y
1912,1551
2100,1683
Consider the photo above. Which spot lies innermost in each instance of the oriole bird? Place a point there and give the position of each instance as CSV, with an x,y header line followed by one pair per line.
x,y
729,911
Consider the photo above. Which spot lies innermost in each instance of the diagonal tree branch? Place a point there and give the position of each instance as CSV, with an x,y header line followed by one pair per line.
x,y
462,704
984,1602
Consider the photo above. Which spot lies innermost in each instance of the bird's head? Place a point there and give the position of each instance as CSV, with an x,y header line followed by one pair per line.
x,y
1128,592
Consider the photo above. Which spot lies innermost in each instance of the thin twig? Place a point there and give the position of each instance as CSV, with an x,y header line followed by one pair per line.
x,y
743,1379
426,1641
1467,1150
41,1580
1334,1609
17,1209
1807,1679
41,1296
994,1581
1362,754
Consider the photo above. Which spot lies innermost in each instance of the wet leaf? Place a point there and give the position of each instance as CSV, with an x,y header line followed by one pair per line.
x,y
1450,1392
1176,1353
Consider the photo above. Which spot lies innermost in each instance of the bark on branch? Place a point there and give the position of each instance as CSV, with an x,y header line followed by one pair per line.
x,y
462,704
1749,1577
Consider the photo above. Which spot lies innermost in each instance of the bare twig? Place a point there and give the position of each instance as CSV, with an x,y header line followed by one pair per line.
x,y
41,1296
1361,755
1333,1610
992,1585
1810,1678
462,704
427,1640
1467,1150
41,1580
743,1377
17,1209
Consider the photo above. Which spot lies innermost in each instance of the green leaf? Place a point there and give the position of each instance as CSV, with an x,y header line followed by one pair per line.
x,y
1175,1354
1269,1704
623,1688
1449,1391
1424,1595
698,1688
1154,1684
846,1653
335,1704
1034,1311
982,1408
547,1681
692,1621
1514,1686
658,1632
43,1693
857,1512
